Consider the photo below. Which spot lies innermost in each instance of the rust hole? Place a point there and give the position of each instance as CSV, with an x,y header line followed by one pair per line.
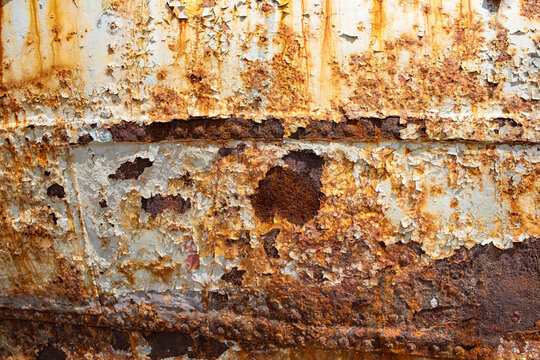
x,y
56,190
165,345
121,341
51,353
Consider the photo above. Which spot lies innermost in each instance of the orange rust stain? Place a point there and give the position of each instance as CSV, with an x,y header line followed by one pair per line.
x,y
433,16
34,36
181,43
378,23
63,27
1,46
328,49
530,9
305,36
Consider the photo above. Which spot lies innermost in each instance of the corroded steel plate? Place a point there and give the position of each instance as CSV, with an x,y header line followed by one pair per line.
x,y
269,179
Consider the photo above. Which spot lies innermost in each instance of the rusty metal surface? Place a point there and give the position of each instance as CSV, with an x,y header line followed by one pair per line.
x,y
269,179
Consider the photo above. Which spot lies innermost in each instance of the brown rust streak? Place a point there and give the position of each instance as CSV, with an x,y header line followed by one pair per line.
x,y
305,36
378,23
33,32
328,48
31,246
1,44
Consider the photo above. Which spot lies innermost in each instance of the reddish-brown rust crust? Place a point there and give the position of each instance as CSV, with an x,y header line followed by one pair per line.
x,y
495,291
270,129
234,276
469,301
293,192
269,242
199,129
131,170
364,129
288,194
157,204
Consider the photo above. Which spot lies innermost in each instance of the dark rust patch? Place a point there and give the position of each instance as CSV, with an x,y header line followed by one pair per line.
x,y
156,204
166,344
287,193
506,122
51,353
131,170
292,192
306,162
207,347
489,290
358,129
269,242
226,151
85,139
234,276
199,128
120,341
56,190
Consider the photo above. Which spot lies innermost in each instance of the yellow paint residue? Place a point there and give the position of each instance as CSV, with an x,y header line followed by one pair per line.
x,y
193,7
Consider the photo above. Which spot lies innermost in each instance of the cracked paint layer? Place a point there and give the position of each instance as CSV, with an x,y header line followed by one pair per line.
x,y
269,179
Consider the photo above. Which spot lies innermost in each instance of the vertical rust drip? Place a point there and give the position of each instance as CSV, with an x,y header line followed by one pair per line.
x,y
305,37
182,40
33,31
1,44
56,27
327,48
377,25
